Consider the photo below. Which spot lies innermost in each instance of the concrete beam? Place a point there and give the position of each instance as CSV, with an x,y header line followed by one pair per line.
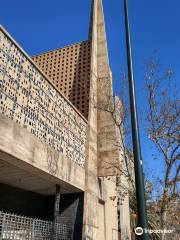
x,y
23,149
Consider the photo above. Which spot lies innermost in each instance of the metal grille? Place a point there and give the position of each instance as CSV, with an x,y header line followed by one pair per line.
x,y
24,228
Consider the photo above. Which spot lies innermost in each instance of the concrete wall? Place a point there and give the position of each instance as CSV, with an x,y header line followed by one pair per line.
x,y
108,198
29,99
93,212
23,149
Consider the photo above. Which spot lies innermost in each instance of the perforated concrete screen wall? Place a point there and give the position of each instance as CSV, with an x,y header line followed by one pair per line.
x,y
69,69
28,98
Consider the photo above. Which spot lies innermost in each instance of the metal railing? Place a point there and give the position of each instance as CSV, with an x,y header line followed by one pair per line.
x,y
24,228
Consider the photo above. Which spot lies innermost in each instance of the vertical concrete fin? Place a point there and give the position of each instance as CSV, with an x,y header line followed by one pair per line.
x,y
91,20
97,34
101,130
101,91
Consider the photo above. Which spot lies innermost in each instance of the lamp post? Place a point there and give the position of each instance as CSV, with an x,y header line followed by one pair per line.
x,y
139,178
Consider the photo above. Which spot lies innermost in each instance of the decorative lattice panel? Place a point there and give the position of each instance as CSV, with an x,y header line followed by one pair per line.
x,y
24,228
29,99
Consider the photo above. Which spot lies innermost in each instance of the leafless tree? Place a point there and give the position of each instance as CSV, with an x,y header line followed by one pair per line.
x,y
163,118
117,110
117,107
163,127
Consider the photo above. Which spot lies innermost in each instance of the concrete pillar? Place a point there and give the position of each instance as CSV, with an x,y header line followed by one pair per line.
x,y
56,210
57,202
102,152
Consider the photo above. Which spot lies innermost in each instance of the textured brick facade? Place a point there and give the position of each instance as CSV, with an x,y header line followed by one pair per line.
x,y
69,69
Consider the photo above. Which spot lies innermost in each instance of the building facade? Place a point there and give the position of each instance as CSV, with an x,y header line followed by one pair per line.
x,y
69,70
57,150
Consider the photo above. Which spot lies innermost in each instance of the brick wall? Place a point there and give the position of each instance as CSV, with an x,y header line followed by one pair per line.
x,y
69,69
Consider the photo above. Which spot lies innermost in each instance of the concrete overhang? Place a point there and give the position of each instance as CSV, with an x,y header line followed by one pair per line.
x,y
28,163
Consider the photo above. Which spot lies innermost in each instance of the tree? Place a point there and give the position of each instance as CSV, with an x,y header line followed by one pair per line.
x,y
151,211
118,107
163,127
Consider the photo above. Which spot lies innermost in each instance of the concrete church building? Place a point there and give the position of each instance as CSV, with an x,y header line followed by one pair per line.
x,y
56,174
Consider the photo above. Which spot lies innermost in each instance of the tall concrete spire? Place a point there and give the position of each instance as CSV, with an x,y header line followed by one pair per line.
x,y
101,153
104,155
97,34
103,82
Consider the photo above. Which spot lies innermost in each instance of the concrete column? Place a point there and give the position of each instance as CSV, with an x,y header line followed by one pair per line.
x,y
57,202
56,211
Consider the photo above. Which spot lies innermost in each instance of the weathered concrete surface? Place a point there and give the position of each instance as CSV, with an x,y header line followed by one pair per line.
x,y
90,223
111,225
93,209
106,134
23,149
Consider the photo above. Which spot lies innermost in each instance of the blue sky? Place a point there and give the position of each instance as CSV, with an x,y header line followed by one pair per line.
x,y
41,25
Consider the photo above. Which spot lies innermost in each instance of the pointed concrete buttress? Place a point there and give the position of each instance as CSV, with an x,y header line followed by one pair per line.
x,y
108,155
102,155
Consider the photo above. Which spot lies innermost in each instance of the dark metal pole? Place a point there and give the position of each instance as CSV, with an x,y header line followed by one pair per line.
x,y
139,179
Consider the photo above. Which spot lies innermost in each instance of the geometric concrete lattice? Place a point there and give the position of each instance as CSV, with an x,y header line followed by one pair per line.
x,y
28,98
